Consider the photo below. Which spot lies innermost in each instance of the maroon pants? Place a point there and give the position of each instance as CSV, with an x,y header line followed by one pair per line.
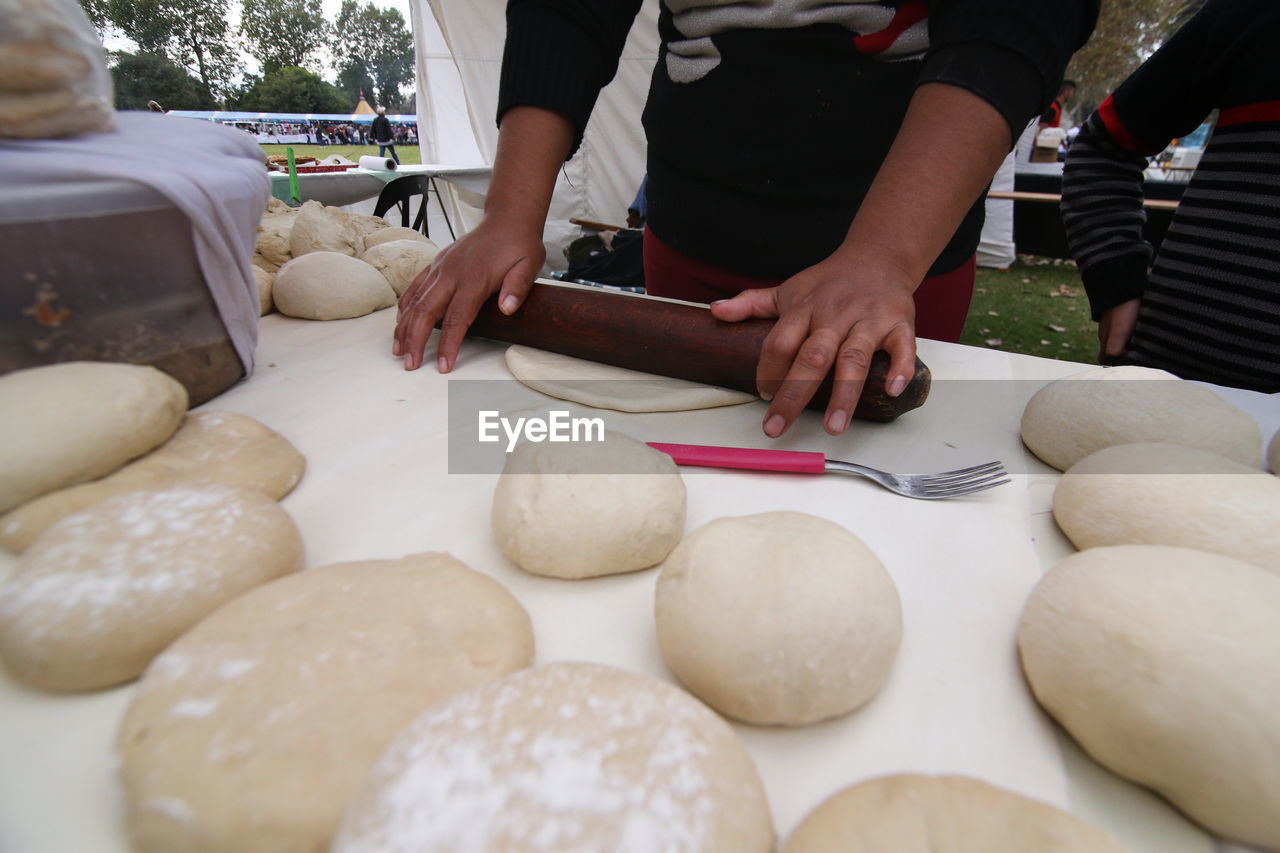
x,y
942,301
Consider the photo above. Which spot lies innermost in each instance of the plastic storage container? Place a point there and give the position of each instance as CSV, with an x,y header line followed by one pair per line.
x,y
107,271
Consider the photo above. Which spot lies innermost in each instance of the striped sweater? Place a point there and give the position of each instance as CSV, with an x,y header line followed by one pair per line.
x,y
1210,299
768,119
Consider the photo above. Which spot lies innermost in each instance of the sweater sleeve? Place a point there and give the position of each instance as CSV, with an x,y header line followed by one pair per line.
x,y
1010,53
559,54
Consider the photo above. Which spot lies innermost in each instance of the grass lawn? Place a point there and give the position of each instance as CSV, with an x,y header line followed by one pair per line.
x,y
408,154
1038,307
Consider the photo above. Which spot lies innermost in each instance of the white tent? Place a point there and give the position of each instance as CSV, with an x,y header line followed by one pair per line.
x,y
459,45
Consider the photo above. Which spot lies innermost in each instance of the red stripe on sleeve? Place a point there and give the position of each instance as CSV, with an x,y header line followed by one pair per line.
x,y
1250,113
1120,133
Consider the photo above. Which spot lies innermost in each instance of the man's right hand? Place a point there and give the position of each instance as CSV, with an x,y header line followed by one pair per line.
x,y
1115,327
491,258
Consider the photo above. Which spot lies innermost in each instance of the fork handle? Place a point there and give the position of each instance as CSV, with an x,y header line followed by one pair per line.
x,y
708,456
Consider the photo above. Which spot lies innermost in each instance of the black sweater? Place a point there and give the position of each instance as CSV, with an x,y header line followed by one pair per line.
x,y
767,122
1210,305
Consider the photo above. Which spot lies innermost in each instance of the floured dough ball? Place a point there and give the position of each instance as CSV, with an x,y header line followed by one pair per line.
x,y
274,231
252,732
317,228
1161,663
911,813
563,757
366,226
588,508
330,286
1167,494
400,261
1070,418
264,280
68,423
778,618
103,591
394,232
1273,454
210,447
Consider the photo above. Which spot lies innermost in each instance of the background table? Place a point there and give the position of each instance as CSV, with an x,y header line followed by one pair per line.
x,y
378,485
353,185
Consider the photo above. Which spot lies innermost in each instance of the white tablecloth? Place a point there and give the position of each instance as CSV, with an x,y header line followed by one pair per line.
x,y
378,486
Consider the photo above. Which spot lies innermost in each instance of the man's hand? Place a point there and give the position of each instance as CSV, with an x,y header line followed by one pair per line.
x,y
1115,327
835,313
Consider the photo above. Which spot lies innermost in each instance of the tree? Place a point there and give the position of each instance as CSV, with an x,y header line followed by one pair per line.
x,y
143,77
1128,32
192,33
352,80
377,43
293,90
283,33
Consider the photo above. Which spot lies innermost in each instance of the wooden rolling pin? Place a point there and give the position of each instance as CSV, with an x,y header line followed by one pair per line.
x,y
669,339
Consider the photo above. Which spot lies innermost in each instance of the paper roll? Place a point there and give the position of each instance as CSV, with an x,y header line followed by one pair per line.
x,y
381,164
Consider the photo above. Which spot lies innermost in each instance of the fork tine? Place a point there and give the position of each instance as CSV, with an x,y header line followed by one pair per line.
x,y
965,489
976,469
993,468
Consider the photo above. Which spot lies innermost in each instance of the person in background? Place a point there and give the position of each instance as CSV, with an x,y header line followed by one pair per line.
x,y
1208,306
850,207
1052,117
636,212
380,132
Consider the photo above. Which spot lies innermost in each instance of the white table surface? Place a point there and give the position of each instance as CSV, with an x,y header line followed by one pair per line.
x,y
378,486
352,185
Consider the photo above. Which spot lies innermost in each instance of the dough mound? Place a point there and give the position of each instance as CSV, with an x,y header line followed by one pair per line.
x,y
585,509
911,813
252,732
103,591
1273,454
274,231
1161,663
392,233
67,423
400,261
1167,494
210,447
604,386
330,286
317,228
1070,418
780,618
264,280
567,757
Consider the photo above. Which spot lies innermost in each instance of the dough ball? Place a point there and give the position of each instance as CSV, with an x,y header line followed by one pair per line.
x,y
605,386
209,447
1070,418
588,508
264,280
1168,494
35,67
253,731
71,422
365,227
274,232
1273,454
400,261
1161,663
394,232
911,813
778,618
330,286
564,757
103,591
317,228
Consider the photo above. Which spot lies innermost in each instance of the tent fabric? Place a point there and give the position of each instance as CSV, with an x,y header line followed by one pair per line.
x,y
459,49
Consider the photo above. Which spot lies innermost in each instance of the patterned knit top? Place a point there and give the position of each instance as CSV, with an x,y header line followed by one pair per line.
x,y
1210,305
768,119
